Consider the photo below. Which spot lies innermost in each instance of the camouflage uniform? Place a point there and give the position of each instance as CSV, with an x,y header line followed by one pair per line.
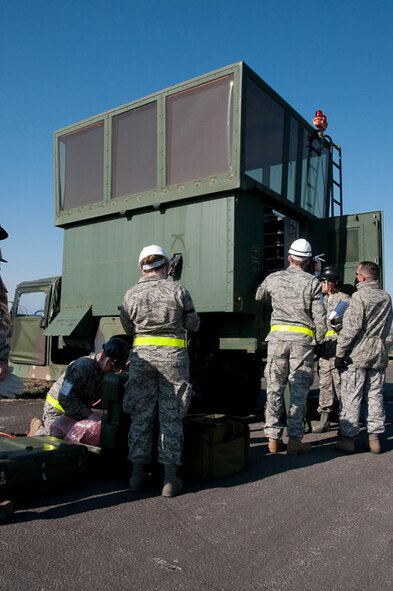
x,y
366,325
297,304
76,390
5,324
329,376
158,374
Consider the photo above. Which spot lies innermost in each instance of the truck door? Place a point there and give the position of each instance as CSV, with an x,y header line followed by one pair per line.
x,y
33,304
347,240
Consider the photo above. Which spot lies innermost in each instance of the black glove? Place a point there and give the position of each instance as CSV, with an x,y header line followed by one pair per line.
x,y
318,350
339,363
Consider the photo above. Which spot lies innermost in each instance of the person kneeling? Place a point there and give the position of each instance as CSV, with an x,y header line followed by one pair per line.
x,y
69,401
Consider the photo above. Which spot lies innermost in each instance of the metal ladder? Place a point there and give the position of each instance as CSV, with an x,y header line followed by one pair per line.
x,y
335,181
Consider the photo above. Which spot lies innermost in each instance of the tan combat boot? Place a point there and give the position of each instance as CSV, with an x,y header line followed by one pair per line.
x,y
374,444
346,444
6,510
35,424
295,446
172,483
275,446
138,476
324,423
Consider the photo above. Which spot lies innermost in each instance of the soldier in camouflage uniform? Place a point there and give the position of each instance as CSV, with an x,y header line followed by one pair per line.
x,y
329,376
158,312
6,507
80,386
5,320
362,358
297,324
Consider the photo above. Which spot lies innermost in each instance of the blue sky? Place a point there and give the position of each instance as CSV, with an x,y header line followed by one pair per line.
x,y
62,61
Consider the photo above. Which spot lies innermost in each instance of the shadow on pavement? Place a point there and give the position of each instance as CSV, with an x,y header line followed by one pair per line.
x,y
112,490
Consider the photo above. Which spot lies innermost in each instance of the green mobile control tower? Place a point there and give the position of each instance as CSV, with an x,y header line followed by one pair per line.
x,y
218,169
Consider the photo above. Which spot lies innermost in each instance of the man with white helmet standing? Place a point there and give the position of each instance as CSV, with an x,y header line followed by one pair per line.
x,y
158,312
298,322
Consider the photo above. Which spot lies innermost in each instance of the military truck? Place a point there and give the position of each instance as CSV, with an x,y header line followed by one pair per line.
x,y
218,169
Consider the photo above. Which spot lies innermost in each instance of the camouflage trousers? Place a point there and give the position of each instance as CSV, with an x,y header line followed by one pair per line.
x,y
50,415
156,387
329,383
356,383
74,409
287,362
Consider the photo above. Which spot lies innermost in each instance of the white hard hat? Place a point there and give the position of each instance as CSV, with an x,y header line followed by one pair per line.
x,y
153,249
300,249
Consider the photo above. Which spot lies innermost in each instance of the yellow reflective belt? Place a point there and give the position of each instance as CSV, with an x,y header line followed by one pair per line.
x,y
160,341
331,333
290,328
54,402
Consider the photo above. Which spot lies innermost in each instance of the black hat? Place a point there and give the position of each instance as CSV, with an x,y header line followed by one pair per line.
x,y
331,274
3,233
118,352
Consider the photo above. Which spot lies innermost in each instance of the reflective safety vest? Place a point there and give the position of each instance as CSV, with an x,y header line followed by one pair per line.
x,y
292,328
331,333
160,342
54,402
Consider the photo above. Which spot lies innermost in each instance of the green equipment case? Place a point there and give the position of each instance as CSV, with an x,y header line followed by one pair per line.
x,y
215,446
30,466
115,424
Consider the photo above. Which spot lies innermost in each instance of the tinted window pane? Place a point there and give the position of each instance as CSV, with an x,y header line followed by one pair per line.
x,y
292,160
134,151
199,131
264,138
81,156
314,175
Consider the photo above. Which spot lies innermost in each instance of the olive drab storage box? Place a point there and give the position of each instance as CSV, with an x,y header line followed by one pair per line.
x,y
30,466
215,446
115,424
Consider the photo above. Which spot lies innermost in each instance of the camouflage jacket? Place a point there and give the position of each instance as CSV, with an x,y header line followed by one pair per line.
x,y
297,301
366,324
161,308
79,387
330,301
5,322
4,349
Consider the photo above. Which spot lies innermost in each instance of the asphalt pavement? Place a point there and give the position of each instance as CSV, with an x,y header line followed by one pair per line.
x,y
322,521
